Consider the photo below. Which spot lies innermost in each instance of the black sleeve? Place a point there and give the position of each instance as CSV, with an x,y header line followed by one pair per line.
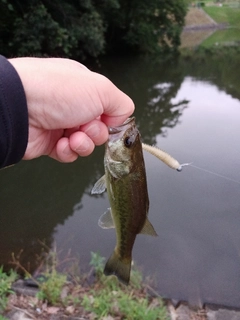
x,y
13,115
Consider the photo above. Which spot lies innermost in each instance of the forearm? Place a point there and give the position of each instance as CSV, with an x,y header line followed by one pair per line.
x,y
13,115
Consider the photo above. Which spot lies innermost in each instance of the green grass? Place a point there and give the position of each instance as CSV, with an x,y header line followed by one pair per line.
x,y
228,36
104,297
118,301
51,288
6,281
123,304
224,15
225,37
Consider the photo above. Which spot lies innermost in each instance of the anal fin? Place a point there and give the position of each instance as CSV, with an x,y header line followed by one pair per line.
x,y
148,229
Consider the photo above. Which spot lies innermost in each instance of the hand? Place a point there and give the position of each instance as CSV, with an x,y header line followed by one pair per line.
x,y
69,107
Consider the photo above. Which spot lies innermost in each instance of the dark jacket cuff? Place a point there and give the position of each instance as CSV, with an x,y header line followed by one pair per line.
x,y
13,115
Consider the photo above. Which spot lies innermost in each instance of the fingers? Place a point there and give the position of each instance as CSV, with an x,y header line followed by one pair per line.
x,y
80,141
68,149
97,131
81,144
63,152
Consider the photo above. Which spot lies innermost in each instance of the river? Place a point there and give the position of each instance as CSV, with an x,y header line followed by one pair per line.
x,y
189,107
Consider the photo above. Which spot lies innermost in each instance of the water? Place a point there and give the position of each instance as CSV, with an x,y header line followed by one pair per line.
x,y
191,109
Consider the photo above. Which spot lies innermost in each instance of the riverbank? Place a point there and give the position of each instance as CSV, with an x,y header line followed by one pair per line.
x,y
211,26
75,296
24,305
52,295
198,27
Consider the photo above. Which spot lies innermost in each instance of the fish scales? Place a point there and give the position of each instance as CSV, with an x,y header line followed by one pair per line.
x,y
126,183
129,207
125,179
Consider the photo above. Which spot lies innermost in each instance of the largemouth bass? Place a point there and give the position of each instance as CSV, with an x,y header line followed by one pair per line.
x,y
126,183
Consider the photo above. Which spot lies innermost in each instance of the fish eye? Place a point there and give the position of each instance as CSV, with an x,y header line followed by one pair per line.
x,y
127,142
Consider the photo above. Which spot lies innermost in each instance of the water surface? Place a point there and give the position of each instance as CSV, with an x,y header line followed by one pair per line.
x,y
191,109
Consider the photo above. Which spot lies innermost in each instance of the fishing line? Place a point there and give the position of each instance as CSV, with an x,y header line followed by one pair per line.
x,y
215,173
174,164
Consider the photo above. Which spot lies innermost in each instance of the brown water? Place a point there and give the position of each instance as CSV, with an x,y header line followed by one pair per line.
x,y
190,108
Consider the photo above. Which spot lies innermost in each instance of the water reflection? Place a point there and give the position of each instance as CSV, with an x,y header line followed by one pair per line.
x,y
190,108
151,86
36,196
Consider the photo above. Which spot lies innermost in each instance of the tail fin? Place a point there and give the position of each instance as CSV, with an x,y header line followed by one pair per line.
x,y
118,267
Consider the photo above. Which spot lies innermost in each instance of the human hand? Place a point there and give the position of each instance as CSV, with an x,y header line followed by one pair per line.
x,y
69,107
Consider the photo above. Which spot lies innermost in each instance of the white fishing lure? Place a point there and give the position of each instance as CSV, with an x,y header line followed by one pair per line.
x,y
164,157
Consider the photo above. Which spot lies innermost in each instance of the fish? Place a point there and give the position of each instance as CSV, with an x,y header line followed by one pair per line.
x,y
126,184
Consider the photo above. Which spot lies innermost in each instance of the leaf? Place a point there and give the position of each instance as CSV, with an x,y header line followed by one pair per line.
x,y
52,310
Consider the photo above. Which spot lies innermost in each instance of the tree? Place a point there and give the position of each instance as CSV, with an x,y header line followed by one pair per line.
x,y
146,25
88,28
66,28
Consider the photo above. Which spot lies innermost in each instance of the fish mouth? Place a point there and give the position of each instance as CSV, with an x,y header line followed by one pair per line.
x,y
126,124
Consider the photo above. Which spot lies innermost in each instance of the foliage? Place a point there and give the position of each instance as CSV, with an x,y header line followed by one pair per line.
x,y
146,26
97,262
123,302
6,281
51,287
114,299
66,28
105,296
46,34
89,28
51,281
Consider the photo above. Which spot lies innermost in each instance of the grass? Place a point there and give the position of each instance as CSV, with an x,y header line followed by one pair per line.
x,y
224,15
224,37
121,302
6,281
51,287
219,37
230,16
92,296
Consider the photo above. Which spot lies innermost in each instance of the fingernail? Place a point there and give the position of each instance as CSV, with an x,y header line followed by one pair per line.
x,y
92,131
67,150
84,146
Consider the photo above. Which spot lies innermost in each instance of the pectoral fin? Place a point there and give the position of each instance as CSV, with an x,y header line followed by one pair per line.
x,y
100,186
148,229
106,220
